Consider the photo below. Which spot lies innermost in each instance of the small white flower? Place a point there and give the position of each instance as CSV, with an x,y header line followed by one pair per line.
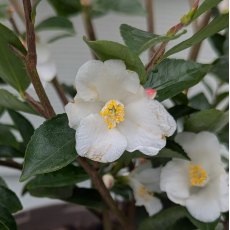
x,y
112,113
223,6
108,180
144,180
201,185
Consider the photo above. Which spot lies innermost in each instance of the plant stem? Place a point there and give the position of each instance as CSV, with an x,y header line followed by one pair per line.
x,y
150,21
59,91
105,194
31,61
11,164
194,52
106,220
14,25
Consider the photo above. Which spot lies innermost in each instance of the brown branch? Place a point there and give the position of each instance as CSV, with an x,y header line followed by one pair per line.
x,y
11,164
59,91
98,183
194,52
31,61
14,25
150,21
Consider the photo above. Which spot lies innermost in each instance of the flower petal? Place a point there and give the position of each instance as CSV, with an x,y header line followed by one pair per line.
x,y
47,71
96,142
175,180
146,124
80,109
224,197
96,80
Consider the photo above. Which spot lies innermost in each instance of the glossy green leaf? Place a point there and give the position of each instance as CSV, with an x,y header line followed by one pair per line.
x,y
168,218
51,148
9,200
68,175
199,102
7,221
23,125
66,8
3,11
12,68
9,151
217,40
10,101
169,153
221,68
217,24
83,196
131,7
70,90
207,120
138,40
112,50
172,76
179,111
7,137
56,23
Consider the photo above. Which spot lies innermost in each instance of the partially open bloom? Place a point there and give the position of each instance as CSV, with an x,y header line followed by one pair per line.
x,y
144,181
223,6
112,113
108,180
201,185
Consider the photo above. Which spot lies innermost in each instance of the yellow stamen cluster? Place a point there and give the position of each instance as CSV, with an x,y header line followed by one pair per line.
x,y
144,192
198,176
113,113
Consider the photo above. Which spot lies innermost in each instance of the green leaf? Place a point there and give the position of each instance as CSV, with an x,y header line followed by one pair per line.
x,y
7,221
169,153
179,111
199,102
204,7
12,68
207,120
9,151
56,23
51,148
68,175
112,50
132,7
217,24
7,137
59,36
3,183
3,11
10,101
168,218
66,8
23,125
69,89
9,200
221,68
138,40
34,9
217,40
83,196
172,76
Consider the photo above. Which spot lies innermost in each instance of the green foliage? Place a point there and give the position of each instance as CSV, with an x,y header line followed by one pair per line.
x,y
68,175
138,40
199,102
7,137
3,11
51,148
168,218
7,151
12,69
23,125
172,76
207,120
10,101
112,50
217,24
7,221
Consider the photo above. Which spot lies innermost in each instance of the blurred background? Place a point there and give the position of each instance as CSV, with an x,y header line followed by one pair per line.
x,y
70,53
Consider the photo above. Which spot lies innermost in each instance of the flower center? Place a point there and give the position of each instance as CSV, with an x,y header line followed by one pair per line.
x,y
198,176
113,113
144,192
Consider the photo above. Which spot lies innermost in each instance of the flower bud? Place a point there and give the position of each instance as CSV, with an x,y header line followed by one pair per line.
x,y
108,180
151,93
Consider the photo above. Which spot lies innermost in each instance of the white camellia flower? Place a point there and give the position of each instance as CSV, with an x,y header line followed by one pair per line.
x,y
201,185
46,67
112,113
144,181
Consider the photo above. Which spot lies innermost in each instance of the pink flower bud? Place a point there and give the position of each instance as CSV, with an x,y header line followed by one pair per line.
x,y
151,93
108,180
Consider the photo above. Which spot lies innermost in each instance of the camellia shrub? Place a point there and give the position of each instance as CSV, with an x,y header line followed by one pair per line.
x,y
156,157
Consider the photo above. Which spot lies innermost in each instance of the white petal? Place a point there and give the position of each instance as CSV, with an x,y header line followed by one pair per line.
x,y
96,80
175,180
47,71
43,53
203,205
80,109
96,142
152,204
224,189
146,124
200,147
